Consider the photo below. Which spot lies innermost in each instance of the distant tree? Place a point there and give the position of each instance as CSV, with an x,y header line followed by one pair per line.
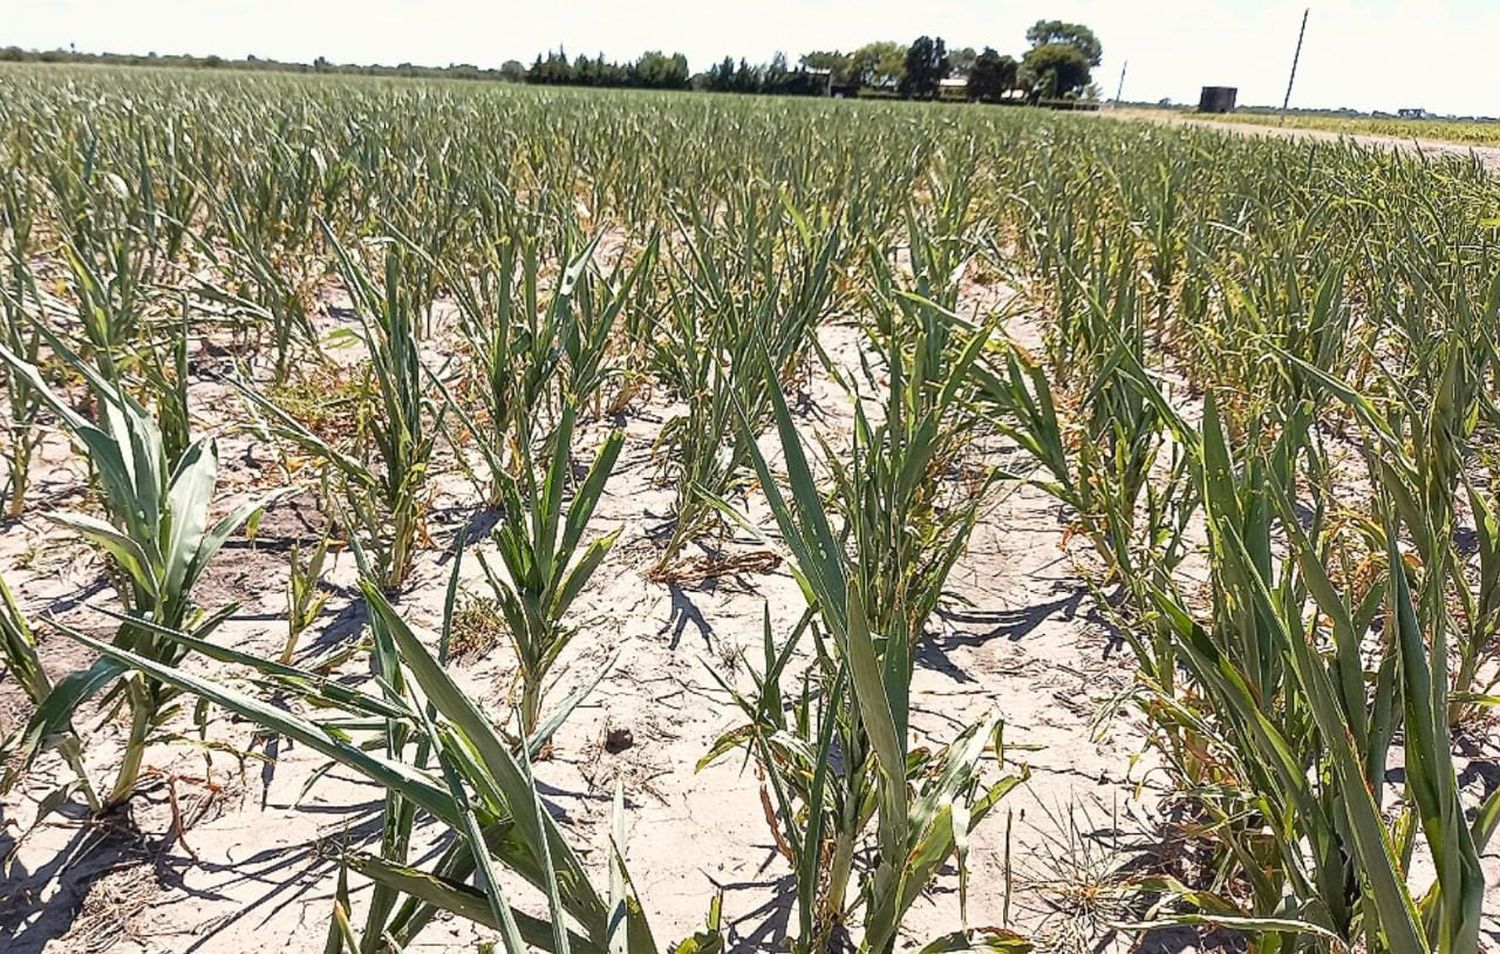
x,y
611,74
1059,61
774,76
881,64
926,67
841,65
720,76
746,78
654,70
1055,70
961,61
801,82
554,70
1076,35
992,76
513,70
657,70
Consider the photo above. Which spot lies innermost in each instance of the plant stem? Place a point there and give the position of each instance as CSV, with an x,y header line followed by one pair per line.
x,y
135,747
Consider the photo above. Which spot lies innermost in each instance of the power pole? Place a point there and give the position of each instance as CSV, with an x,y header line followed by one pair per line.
x,y
1120,90
1295,58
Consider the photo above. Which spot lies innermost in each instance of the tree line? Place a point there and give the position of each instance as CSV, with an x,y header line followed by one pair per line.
x,y
1057,64
511,70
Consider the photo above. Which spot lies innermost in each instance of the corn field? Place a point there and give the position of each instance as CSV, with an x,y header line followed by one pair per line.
x,y
467,517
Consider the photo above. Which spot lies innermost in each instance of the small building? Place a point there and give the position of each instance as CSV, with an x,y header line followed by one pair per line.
x,y
953,87
822,78
1412,113
1217,99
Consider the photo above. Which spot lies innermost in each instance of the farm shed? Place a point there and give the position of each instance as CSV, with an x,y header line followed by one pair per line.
x,y
1217,99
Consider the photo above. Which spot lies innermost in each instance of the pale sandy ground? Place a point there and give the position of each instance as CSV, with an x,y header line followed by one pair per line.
x,y
1023,641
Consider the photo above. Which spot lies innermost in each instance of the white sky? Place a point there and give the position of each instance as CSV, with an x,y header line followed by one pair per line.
x,y
1443,55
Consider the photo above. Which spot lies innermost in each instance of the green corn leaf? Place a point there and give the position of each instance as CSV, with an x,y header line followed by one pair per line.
x,y
461,900
393,775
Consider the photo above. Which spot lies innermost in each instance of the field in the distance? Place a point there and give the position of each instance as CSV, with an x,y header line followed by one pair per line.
x,y
1459,132
1440,130
446,514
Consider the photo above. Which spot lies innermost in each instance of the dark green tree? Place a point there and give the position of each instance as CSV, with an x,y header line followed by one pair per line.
x,y
961,61
1076,35
992,76
881,64
841,65
657,70
720,77
926,67
1056,70
746,78
774,74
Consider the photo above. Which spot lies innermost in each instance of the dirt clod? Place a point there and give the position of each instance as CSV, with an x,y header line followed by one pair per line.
x,y
618,739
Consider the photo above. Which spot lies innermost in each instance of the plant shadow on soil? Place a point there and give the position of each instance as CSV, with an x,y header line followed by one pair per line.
x,y
28,922
685,612
30,918
971,628
765,927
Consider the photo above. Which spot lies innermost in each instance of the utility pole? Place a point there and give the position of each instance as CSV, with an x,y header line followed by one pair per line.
x,y
1120,90
1295,58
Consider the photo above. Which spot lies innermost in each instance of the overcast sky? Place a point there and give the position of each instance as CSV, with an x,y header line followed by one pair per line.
x,y
1442,55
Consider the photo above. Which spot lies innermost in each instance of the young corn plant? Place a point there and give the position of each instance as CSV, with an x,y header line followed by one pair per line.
x,y
23,663
157,540
164,385
305,595
512,342
814,817
1097,433
268,284
443,761
23,338
1286,746
923,804
1416,452
384,486
909,509
529,358
731,308
110,259
598,302
539,542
